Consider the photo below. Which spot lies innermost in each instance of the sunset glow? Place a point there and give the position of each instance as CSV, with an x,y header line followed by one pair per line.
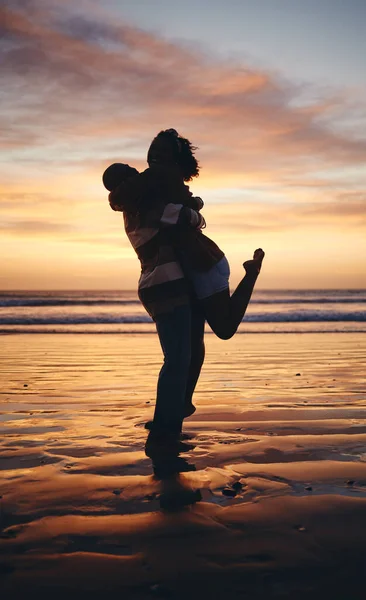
x,y
282,154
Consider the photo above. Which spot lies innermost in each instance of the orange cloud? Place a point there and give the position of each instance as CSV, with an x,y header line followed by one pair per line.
x,y
81,78
82,90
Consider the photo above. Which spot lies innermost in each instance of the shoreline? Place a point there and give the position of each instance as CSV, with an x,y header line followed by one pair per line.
x,y
268,501
153,331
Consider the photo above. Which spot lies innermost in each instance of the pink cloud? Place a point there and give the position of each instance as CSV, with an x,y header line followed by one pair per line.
x,y
79,78
82,91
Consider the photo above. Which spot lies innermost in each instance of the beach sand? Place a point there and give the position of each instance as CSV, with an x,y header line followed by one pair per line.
x,y
269,501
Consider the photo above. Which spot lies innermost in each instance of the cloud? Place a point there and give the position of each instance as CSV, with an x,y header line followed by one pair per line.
x,y
82,88
24,201
346,211
33,227
72,76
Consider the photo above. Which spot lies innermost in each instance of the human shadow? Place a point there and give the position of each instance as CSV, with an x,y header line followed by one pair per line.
x,y
167,464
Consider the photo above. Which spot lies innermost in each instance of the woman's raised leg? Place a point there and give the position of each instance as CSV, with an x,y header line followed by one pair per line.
x,y
197,355
223,312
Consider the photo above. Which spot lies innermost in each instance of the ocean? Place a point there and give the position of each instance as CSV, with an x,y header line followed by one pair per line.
x,y
271,311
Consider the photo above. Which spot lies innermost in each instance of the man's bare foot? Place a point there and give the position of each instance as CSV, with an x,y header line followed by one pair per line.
x,y
253,267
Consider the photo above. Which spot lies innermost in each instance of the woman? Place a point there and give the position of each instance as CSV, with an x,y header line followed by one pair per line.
x,y
181,284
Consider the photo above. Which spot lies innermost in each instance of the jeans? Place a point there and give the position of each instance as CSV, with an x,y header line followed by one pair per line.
x,y
181,338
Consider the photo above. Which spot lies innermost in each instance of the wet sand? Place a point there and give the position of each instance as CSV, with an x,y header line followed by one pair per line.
x,y
268,501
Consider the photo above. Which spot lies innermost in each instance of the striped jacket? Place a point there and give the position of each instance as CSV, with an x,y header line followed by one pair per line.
x,y
165,231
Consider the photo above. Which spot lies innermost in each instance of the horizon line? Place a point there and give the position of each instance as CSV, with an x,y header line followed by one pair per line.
x,y
278,289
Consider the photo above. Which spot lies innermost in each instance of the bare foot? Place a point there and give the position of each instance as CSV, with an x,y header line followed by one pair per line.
x,y
253,267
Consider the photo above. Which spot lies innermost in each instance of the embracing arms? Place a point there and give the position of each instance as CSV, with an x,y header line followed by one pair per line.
x,y
156,184
180,215
160,197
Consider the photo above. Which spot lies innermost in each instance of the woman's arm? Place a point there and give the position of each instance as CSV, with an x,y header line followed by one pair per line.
x,y
183,216
161,197
194,202
158,183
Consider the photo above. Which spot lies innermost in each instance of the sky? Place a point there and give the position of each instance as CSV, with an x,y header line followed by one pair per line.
x,y
272,92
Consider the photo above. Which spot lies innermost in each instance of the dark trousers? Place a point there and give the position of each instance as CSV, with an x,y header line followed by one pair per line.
x,y
181,334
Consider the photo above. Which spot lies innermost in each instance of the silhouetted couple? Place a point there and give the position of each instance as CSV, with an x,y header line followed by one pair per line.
x,y
184,275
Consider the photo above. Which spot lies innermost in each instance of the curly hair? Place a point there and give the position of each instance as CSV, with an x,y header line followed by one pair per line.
x,y
168,144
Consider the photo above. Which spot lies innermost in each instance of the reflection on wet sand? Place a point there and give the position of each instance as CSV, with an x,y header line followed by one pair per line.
x,y
268,499
167,464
